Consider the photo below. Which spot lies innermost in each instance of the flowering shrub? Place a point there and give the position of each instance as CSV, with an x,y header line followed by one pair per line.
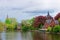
x,y
57,16
39,20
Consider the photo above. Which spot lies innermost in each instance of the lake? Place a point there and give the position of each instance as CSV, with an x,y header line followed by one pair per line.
x,y
37,35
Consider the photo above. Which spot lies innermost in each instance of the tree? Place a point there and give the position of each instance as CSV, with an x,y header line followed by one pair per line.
x,y
57,16
10,23
56,29
59,20
27,22
1,26
40,20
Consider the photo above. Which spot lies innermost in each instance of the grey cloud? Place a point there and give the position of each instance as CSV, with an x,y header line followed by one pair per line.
x,y
40,11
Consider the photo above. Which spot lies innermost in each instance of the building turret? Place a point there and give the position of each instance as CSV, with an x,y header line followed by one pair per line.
x,y
7,16
48,16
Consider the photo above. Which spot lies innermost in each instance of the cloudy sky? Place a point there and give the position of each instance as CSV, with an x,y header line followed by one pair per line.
x,y
26,9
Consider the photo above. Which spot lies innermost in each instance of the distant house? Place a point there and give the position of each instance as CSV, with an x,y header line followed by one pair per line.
x,y
19,26
50,21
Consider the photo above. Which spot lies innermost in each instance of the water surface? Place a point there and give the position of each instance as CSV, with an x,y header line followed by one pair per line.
x,y
28,36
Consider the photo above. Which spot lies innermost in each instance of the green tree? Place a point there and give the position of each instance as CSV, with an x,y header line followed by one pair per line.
x,y
8,21
27,24
59,20
1,26
11,23
56,29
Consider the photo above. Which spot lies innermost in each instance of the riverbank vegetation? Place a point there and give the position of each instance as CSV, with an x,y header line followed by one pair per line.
x,y
35,23
55,29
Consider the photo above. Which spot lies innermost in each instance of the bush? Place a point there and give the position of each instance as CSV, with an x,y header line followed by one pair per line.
x,y
24,28
1,28
49,29
31,28
56,29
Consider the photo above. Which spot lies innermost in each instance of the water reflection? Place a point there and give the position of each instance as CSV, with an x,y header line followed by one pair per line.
x,y
10,36
0,37
28,36
39,36
53,36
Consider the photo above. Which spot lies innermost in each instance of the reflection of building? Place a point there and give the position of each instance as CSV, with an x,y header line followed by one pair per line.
x,y
50,21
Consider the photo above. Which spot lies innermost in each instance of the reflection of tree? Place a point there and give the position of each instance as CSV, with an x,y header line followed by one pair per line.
x,y
26,36
11,36
39,36
3,36
55,36
0,37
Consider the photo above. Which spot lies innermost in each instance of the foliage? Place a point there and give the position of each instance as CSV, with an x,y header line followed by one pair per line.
x,y
56,29
10,27
10,23
59,20
28,22
1,26
39,20
24,28
32,28
49,29
57,16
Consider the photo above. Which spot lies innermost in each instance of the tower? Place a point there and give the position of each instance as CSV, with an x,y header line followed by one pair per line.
x,y
48,16
7,16
48,13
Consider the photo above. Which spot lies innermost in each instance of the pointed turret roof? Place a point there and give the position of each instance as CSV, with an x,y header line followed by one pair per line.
x,y
48,16
48,13
7,16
